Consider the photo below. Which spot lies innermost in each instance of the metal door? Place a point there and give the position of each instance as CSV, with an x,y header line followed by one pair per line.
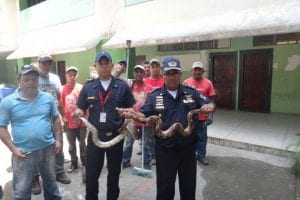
x,y
255,80
223,76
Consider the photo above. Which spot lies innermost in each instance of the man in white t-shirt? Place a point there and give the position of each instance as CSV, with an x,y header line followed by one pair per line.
x,y
51,84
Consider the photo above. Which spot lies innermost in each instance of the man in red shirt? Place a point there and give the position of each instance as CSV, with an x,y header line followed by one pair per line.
x,y
140,92
73,129
205,87
155,81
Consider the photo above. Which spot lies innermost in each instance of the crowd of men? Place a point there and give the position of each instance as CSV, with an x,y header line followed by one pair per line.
x,y
155,90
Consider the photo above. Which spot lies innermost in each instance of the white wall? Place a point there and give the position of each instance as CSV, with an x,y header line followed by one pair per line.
x,y
8,26
157,12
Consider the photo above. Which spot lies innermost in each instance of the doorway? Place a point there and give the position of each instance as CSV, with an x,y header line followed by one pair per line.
x,y
255,80
222,71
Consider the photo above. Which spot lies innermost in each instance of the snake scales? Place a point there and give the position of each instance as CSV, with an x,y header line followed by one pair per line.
x,y
128,126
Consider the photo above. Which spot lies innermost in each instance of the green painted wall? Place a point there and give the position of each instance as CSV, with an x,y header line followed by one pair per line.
x,y
286,79
285,92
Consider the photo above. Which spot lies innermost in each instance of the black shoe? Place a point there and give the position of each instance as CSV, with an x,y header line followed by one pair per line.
x,y
63,178
83,174
72,168
36,186
1,192
147,166
203,161
126,165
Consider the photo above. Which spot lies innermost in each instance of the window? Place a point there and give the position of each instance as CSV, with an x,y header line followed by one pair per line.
x,y
33,2
286,38
189,46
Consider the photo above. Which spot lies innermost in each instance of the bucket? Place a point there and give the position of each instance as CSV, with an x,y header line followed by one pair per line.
x,y
4,92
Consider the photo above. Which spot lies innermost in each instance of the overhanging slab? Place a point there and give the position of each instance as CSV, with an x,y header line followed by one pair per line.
x,y
75,36
273,19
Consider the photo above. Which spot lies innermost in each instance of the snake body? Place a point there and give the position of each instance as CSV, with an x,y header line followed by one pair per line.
x,y
128,126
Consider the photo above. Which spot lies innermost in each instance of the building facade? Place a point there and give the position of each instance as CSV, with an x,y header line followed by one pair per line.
x,y
251,49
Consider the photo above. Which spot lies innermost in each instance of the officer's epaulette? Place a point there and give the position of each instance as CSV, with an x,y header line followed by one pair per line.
x,y
120,79
189,87
89,80
156,89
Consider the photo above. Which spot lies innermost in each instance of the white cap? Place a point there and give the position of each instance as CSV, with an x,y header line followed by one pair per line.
x,y
198,65
154,60
139,67
72,68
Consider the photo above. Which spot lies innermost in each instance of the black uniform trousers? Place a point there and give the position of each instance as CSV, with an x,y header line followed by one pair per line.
x,y
169,162
94,164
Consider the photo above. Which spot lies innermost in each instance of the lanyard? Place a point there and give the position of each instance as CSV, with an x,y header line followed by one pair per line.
x,y
103,102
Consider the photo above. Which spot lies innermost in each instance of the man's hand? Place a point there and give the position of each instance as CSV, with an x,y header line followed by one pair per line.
x,y
57,147
19,153
126,112
208,108
77,114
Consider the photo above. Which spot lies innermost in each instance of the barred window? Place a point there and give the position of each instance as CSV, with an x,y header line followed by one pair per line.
x,y
285,38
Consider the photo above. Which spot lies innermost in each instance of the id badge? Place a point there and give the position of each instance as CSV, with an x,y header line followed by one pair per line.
x,y
102,117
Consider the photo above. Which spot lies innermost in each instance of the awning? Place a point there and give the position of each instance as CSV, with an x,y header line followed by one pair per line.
x,y
74,36
273,19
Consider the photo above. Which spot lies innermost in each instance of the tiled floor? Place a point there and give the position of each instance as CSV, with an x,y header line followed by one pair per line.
x,y
254,131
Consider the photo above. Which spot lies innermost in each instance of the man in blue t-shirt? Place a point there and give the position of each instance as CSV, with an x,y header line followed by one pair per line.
x,y
34,122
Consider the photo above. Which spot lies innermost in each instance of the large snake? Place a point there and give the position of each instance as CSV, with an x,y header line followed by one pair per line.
x,y
128,126
171,130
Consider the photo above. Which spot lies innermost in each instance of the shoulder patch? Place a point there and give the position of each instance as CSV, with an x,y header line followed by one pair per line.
x,y
154,90
189,87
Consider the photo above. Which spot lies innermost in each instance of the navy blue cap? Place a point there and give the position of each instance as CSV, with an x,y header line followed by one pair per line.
x,y
104,54
170,63
26,69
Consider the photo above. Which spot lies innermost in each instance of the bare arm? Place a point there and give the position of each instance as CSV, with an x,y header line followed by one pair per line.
x,y
6,139
57,128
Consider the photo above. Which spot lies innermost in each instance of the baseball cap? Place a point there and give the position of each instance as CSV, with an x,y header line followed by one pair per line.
x,y
170,63
154,60
45,57
198,65
72,68
26,69
139,67
102,54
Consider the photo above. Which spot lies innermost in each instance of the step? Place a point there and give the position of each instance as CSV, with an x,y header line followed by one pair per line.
x,y
250,147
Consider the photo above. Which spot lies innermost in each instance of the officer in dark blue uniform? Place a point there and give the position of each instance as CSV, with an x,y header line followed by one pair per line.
x,y
174,155
101,97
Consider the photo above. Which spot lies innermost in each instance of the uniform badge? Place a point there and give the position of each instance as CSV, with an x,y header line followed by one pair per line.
x,y
159,103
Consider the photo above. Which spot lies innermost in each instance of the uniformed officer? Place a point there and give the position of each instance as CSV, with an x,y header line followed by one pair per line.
x,y
174,155
101,97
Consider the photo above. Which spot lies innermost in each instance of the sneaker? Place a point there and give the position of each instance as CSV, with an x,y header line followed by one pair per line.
x,y
203,161
126,165
72,168
63,178
36,186
153,162
147,166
